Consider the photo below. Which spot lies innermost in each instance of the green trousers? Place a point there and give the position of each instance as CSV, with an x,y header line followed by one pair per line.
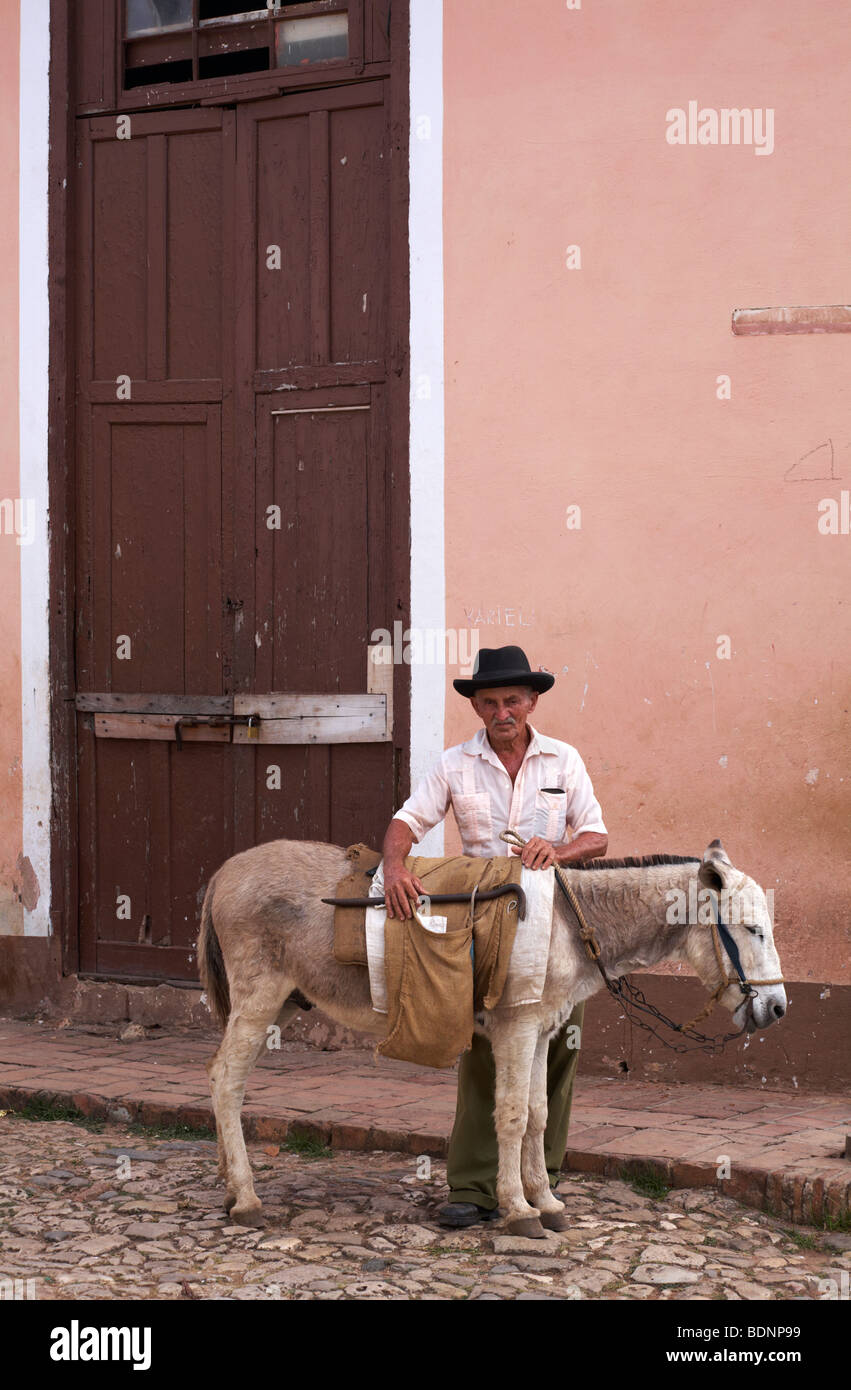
x,y
472,1161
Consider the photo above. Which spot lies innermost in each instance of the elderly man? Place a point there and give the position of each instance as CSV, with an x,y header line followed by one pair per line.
x,y
507,775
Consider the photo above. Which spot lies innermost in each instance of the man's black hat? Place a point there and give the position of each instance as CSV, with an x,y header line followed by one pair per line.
x,y
500,666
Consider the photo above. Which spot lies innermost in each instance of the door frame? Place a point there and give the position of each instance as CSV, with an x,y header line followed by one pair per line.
x,y
62,424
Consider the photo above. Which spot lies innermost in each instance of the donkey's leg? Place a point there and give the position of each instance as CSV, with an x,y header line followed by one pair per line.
x,y
245,1035
513,1051
533,1165
213,1068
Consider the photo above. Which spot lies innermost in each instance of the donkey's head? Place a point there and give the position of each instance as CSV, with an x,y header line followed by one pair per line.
x,y
740,904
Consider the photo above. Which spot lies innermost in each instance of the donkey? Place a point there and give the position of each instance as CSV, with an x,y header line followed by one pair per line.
x,y
265,932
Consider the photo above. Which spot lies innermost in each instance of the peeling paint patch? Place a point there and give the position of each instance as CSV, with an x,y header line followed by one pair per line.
x,y
812,776
30,891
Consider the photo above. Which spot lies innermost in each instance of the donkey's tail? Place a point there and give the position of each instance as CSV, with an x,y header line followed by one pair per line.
x,y
211,964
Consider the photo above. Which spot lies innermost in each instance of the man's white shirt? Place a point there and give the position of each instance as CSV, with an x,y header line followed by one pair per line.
x,y
552,795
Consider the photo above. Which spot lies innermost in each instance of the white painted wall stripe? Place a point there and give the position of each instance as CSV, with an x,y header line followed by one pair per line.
x,y
33,387
425,226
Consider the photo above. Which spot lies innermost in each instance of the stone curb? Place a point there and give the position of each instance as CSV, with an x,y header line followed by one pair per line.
x,y
805,1198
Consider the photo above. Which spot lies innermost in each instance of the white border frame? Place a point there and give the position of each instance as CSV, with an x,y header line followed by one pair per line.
x,y
425,229
33,381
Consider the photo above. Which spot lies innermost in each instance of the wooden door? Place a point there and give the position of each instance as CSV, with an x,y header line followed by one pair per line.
x,y
233,527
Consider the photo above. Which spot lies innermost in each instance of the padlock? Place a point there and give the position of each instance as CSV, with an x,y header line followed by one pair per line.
x,y
252,731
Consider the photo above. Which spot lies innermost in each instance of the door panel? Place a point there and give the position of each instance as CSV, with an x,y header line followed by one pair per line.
x,y
194,255
156,563
117,267
314,571
358,216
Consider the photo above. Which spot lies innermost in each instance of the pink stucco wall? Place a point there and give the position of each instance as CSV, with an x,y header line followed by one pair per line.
x,y
11,916
597,387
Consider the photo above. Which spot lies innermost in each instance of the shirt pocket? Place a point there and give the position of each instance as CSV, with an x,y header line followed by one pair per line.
x,y
475,820
550,815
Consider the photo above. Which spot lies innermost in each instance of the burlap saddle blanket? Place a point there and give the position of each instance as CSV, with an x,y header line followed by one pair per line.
x,y
438,969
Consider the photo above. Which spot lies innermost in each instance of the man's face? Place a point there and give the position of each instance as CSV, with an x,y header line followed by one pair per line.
x,y
504,711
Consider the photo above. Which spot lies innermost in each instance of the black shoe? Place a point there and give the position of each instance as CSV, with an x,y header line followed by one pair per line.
x,y
458,1214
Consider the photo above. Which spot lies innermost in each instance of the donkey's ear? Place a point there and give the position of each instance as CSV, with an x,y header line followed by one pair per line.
x,y
711,874
715,868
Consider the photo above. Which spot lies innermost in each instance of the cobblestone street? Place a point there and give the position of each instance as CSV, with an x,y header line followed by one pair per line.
x,y
108,1213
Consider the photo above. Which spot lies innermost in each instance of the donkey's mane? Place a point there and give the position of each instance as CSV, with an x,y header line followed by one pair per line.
x,y
642,861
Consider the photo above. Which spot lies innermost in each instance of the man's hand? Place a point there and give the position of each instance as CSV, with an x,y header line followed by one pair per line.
x,y
401,891
537,853
540,854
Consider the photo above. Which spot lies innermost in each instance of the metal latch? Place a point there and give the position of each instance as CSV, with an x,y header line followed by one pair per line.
x,y
216,721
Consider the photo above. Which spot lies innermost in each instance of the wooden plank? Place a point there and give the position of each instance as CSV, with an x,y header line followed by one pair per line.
x,y
377,36
292,795
88,51
159,846
157,392
202,552
120,891
156,251
379,604
286,379
87,842
798,318
319,400
122,227
158,727
147,123
320,232
195,218
319,409
320,626
361,792
283,301
311,706
159,963
106,702
359,214
142,563
379,679
351,728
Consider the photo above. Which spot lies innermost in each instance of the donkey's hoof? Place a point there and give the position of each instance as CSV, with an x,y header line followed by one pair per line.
x,y
252,1216
555,1221
230,1201
529,1226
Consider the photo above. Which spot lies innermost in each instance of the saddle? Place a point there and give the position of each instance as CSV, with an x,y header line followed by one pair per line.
x,y
436,980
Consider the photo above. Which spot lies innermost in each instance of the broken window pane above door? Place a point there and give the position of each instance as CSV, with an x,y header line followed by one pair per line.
x,y
312,39
226,9
156,16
